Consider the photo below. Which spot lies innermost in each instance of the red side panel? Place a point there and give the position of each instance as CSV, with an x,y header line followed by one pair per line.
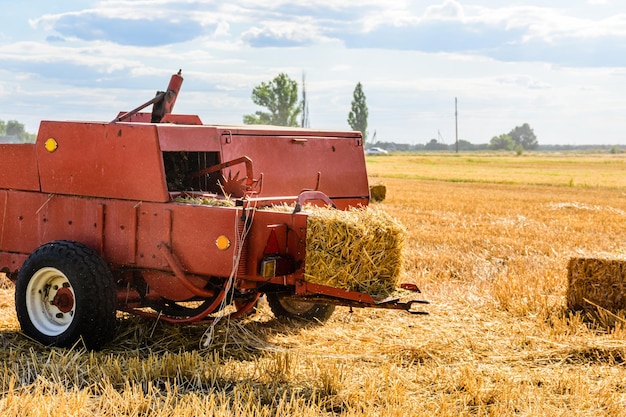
x,y
18,167
19,229
298,161
116,160
190,232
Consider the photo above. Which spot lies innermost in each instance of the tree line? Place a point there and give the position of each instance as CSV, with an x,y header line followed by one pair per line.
x,y
280,97
16,129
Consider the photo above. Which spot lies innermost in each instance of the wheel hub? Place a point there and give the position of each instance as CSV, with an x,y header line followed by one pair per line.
x,y
63,300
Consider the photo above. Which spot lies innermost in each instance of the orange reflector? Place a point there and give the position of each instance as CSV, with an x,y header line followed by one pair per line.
x,y
222,242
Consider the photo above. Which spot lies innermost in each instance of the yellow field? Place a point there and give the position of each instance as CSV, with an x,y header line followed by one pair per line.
x,y
543,169
489,241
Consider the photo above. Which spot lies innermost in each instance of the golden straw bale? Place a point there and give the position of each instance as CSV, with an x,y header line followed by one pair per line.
x,y
356,250
602,282
378,192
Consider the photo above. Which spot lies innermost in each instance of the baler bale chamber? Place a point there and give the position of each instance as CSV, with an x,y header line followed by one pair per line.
x,y
160,215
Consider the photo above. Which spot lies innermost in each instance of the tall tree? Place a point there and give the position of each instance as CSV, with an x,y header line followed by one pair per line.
x,y
280,97
357,118
525,136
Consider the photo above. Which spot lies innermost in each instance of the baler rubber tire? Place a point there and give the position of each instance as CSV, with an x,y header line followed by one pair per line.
x,y
283,308
65,292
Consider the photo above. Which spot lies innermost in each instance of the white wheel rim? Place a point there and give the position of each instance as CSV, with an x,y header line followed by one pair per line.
x,y
50,301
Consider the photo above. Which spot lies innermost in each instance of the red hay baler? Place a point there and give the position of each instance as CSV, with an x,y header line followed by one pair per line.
x,y
91,220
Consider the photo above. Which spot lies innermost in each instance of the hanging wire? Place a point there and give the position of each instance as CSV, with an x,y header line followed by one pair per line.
x,y
247,216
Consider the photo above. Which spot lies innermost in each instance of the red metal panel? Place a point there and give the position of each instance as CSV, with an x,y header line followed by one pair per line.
x,y
120,230
290,164
18,167
190,231
32,219
20,219
188,138
195,230
73,218
117,160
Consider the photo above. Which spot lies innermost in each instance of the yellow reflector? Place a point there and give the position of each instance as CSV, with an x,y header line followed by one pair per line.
x,y
51,145
268,268
222,242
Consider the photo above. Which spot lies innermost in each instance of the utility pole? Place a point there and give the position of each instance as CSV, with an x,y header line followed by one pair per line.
x,y
304,121
456,124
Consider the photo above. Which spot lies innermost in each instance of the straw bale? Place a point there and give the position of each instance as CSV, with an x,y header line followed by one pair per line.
x,y
378,192
356,250
594,283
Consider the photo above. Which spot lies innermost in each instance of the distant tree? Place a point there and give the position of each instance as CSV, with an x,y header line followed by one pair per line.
x,y
525,136
15,128
357,118
280,97
433,145
503,141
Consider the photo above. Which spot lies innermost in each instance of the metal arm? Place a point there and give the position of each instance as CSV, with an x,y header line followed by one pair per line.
x,y
163,102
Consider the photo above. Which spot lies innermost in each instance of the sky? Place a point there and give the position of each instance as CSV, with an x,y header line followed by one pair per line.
x,y
561,67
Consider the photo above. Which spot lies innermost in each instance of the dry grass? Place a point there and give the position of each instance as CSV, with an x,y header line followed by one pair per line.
x,y
499,341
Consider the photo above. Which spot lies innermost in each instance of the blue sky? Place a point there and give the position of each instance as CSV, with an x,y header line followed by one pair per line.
x,y
561,68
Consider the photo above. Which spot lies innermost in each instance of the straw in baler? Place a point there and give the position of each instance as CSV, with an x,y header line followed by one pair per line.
x,y
594,283
356,250
205,201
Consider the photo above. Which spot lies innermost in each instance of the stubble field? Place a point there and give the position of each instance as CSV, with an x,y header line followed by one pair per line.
x,y
489,238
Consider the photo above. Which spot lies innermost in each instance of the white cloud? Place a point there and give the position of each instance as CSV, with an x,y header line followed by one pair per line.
x,y
449,9
559,68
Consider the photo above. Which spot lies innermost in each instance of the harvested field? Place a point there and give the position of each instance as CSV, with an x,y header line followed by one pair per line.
x,y
488,248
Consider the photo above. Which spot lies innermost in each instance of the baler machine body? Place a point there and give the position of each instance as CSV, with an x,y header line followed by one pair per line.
x,y
126,190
